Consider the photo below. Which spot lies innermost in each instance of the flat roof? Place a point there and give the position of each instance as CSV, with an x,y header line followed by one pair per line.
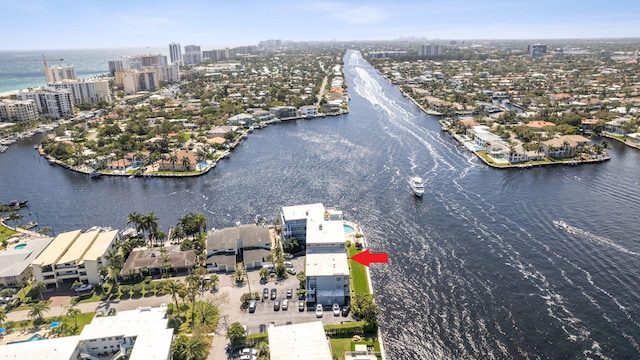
x,y
299,212
57,246
100,245
327,264
299,341
321,231
147,325
78,248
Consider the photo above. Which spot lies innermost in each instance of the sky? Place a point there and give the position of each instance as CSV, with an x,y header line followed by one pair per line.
x,y
67,24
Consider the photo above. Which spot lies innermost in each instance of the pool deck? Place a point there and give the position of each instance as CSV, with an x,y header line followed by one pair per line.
x,y
23,334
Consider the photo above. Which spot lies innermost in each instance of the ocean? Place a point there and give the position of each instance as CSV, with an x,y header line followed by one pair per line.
x,y
22,69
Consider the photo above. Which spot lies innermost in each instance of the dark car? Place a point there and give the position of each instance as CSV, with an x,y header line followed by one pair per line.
x,y
111,312
265,293
276,305
262,328
252,306
274,294
345,310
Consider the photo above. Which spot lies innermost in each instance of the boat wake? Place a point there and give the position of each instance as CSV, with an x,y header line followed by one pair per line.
x,y
593,237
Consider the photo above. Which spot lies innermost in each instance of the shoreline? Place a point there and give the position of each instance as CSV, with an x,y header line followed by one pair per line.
x,y
525,165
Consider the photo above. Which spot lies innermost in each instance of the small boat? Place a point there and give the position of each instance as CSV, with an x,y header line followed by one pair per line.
x,y
17,204
560,224
95,174
417,186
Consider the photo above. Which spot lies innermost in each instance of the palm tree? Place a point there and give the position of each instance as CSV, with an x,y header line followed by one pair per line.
x,y
39,287
3,316
200,221
73,313
173,159
15,217
174,287
186,163
37,309
115,261
149,222
135,219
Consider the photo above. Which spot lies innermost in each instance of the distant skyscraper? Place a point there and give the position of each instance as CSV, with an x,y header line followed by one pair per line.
x,y
536,50
192,55
175,53
430,50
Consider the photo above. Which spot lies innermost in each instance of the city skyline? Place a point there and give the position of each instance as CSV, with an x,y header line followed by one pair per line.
x,y
64,24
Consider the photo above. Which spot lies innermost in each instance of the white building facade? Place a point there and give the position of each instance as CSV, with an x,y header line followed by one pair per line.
x,y
18,110
51,102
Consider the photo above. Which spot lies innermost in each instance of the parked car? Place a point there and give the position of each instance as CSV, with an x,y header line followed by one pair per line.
x,y
345,310
249,351
99,313
262,328
285,304
300,305
319,311
288,256
252,306
289,293
291,271
276,305
111,312
248,357
336,309
265,293
274,294
288,264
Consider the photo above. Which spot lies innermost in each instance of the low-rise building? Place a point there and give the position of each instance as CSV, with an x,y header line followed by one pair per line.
x,y
15,263
305,340
564,146
74,256
158,260
142,333
247,244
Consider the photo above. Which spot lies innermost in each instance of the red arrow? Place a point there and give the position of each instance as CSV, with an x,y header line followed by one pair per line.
x,y
365,258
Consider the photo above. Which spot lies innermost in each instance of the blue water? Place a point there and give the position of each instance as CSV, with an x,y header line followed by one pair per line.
x,y
35,337
24,69
20,246
348,229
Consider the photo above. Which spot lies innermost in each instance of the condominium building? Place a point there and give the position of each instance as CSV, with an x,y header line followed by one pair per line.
x,y
247,244
18,110
51,102
140,334
536,50
326,266
74,256
61,72
121,64
192,55
86,91
430,50
15,264
175,53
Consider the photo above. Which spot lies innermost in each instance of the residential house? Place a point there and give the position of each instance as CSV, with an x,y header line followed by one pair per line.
x,y
308,110
305,340
221,131
247,244
564,146
284,112
617,126
158,260
241,120
185,160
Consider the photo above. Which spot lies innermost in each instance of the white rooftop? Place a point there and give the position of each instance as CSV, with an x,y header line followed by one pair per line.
x,y
323,231
327,264
13,261
59,245
100,245
78,248
147,325
300,212
299,341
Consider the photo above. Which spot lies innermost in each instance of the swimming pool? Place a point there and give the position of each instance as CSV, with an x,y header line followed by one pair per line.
x,y
34,337
20,246
348,229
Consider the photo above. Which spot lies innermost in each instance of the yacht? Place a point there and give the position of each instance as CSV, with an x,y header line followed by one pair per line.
x,y
417,186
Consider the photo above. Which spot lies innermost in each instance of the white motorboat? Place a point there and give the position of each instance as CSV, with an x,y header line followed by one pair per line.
x,y
417,186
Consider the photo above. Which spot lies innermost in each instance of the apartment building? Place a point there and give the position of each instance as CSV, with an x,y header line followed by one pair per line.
x,y
51,102
85,91
18,110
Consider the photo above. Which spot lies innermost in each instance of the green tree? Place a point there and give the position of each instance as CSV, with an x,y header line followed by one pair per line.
x,y
73,312
135,219
264,273
189,347
37,309
149,223
3,316
115,262
364,307
236,334
39,287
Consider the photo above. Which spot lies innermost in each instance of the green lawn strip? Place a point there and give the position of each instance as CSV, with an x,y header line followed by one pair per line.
x,y
359,281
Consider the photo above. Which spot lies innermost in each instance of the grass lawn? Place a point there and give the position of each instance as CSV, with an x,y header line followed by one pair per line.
x,y
359,282
339,346
5,233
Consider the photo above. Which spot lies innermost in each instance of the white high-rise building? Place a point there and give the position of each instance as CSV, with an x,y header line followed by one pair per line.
x,y
86,91
61,72
53,103
18,110
175,53
192,55
430,50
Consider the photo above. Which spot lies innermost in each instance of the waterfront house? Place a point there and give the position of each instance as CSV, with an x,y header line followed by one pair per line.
x,y
248,244
587,125
539,126
284,112
158,260
74,256
308,110
294,220
617,126
241,120
564,146
15,263
221,131
186,161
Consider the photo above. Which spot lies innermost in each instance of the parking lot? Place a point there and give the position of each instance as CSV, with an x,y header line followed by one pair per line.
x,y
265,313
